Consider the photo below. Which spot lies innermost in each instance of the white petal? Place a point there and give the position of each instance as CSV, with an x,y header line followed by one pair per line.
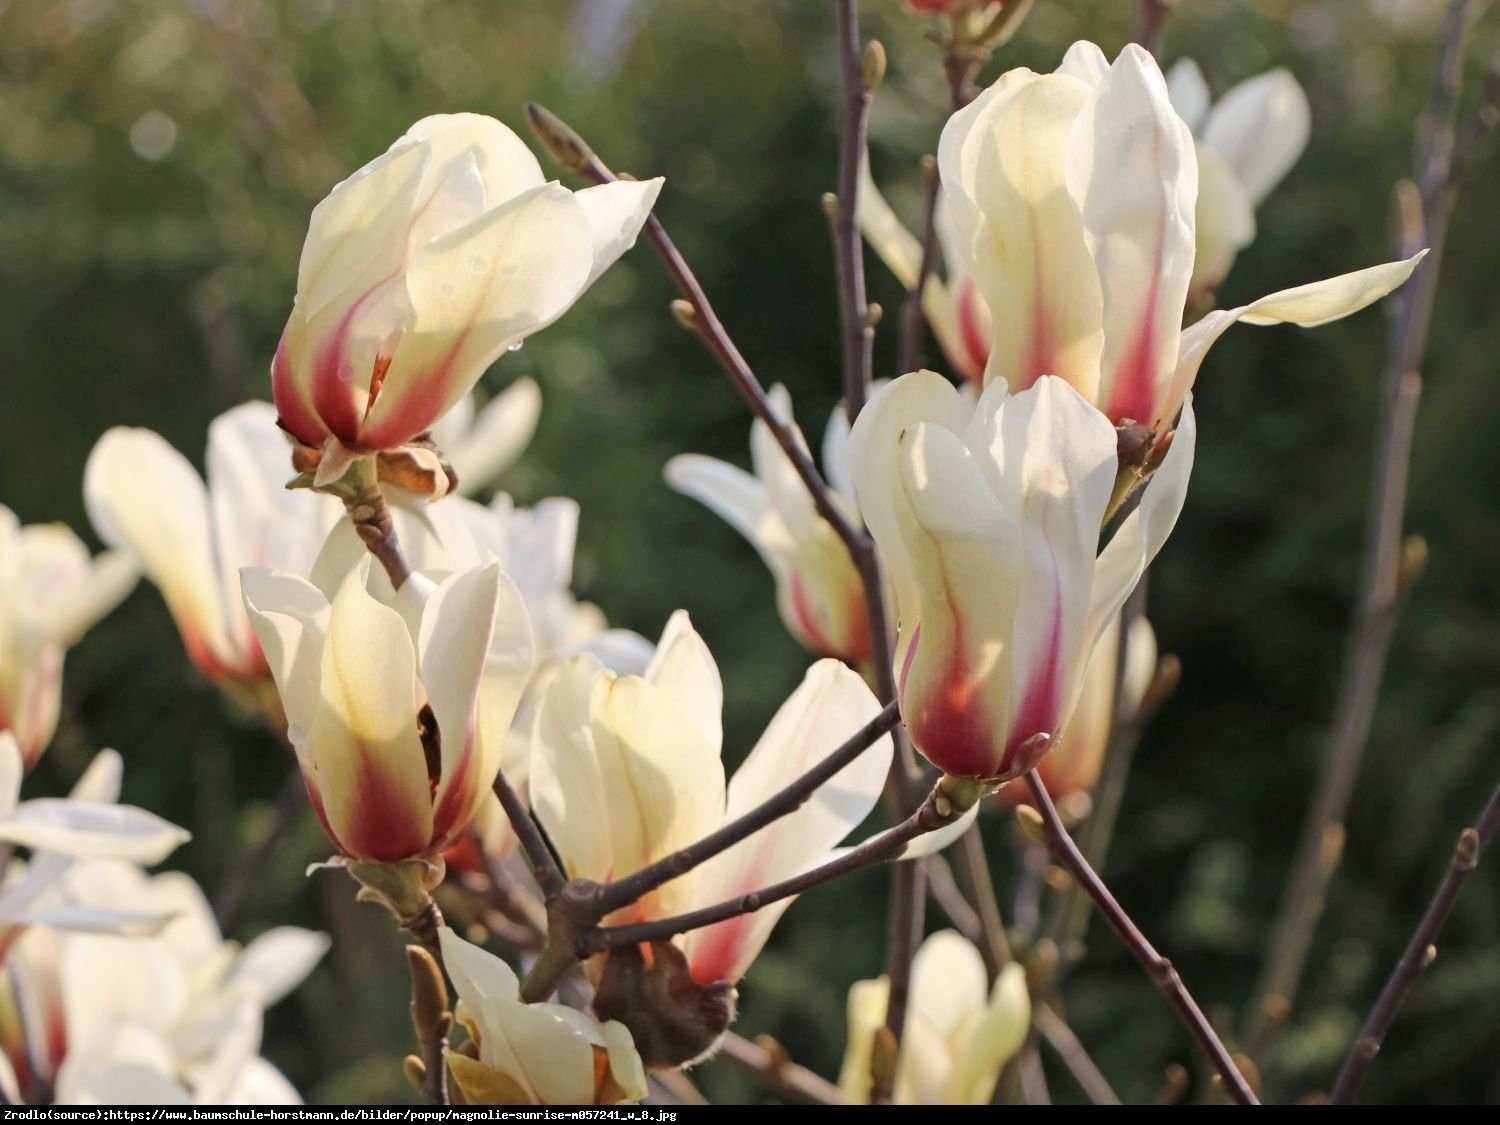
x,y
276,962
685,672
290,617
1188,90
616,212
100,783
738,498
1260,127
1085,62
498,437
77,828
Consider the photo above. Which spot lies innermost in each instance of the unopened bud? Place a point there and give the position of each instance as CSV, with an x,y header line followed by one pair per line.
x,y
415,1071
429,995
1032,826
561,142
883,1060
830,204
685,314
1413,563
873,314
873,65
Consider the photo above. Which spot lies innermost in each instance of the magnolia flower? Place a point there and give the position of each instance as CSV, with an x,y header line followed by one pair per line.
x,y
1246,144
422,268
57,831
627,770
481,444
173,1018
192,539
954,1042
1077,755
51,593
1073,195
398,703
818,590
988,519
532,1054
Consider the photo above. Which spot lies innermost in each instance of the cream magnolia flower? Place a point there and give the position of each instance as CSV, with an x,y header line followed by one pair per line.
x,y
959,1032
1074,197
481,444
192,539
989,519
173,1018
818,591
532,1054
1077,756
51,593
956,312
1247,142
422,268
398,705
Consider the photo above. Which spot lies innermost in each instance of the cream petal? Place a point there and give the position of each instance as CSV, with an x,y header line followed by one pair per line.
x,y
276,962
684,671
567,785
615,213
1260,127
1132,168
738,498
1085,62
478,975
100,783
81,829
505,165
994,1041
498,436
1188,90
290,617
1224,219
830,705
12,770
457,625
867,1006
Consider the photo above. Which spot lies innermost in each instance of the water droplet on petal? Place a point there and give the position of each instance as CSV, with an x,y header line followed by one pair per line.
x,y
516,346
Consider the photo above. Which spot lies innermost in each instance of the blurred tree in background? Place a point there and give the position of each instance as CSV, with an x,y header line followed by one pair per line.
x,y
158,160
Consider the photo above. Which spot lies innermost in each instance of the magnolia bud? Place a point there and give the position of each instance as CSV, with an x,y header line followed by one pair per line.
x,y
673,1019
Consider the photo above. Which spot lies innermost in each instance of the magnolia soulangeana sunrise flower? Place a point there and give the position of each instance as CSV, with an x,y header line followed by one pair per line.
x,y
173,1018
1073,198
1246,143
818,590
1073,764
423,267
988,518
627,770
959,1031
397,704
51,593
532,1054
192,539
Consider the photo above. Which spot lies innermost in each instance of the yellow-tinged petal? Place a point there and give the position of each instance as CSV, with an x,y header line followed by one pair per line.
x,y
868,1001
685,672
993,1041
1260,127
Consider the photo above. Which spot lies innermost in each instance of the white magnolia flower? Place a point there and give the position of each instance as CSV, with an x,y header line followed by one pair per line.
x,y
422,267
481,444
533,1054
959,1032
168,1019
818,590
51,593
1247,142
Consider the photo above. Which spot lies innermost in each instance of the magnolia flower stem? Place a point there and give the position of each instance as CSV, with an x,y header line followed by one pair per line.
x,y
549,876
1055,1032
769,1060
621,892
1158,967
854,312
1389,563
371,516
570,150
945,804
1420,951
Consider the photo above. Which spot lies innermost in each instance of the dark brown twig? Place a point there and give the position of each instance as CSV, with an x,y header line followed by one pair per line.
x,y
1383,576
1071,1053
911,334
1162,974
549,876
1419,951
621,892
858,333
771,1063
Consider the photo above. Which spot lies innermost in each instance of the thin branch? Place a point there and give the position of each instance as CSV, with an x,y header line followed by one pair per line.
x,y
544,868
945,804
859,80
570,151
371,516
911,334
1150,21
231,892
944,891
1157,967
906,917
979,888
769,1060
1071,1053
621,892
1420,951
518,907
1382,570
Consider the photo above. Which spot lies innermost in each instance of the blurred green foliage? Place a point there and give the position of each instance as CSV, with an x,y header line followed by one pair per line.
x,y
158,160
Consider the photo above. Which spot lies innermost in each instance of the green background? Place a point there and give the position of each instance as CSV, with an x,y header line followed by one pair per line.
x,y
151,292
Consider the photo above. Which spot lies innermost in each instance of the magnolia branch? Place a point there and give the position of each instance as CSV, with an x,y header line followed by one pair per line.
x,y
1420,951
861,69
1157,967
1390,563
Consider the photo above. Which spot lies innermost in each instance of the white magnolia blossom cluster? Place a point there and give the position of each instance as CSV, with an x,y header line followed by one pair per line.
x,y
1083,211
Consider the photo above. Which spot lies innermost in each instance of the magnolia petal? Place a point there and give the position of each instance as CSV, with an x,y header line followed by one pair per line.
x,y
100,783
567,787
1260,127
260,1083
96,920
478,975
930,843
1140,663
105,831
832,703
738,498
1085,62
109,581
290,618
500,434
994,1041
624,1061
867,1006
475,291
897,247
1225,221
836,464
144,496
1132,168
684,670
457,625
12,770
276,962
1141,535
1188,90
507,671
615,213
369,765
504,164
1307,306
